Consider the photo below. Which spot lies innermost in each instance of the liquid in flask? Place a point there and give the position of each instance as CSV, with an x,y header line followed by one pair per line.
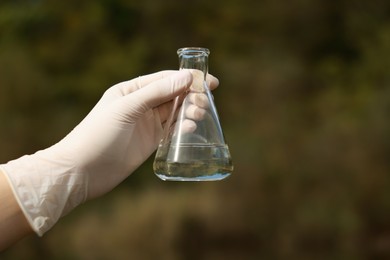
x,y
193,146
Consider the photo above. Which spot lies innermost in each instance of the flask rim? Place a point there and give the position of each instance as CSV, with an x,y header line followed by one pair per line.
x,y
193,51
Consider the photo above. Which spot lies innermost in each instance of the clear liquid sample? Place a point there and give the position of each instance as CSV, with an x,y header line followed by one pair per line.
x,y
193,162
192,147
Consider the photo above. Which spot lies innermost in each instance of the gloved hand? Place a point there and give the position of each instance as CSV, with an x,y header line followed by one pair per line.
x,y
120,133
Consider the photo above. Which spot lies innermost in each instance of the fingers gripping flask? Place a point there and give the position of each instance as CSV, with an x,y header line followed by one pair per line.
x,y
193,147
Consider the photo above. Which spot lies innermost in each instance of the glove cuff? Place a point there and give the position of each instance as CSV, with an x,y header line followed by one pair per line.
x,y
45,187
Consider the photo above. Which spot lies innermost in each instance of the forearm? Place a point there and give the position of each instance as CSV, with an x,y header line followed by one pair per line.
x,y
13,224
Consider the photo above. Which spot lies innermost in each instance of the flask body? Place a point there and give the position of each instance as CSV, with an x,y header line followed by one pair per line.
x,y
193,147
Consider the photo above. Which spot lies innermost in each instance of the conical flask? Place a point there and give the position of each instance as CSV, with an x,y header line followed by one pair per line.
x,y
193,147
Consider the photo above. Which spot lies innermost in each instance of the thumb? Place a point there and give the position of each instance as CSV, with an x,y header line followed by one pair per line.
x,y
158,92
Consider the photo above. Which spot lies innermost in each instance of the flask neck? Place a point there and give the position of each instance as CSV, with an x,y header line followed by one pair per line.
x,y
194,58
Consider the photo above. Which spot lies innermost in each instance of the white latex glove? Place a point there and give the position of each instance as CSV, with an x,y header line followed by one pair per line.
x,y
119,134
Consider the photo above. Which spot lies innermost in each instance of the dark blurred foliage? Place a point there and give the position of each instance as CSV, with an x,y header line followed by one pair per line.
x,y
304,102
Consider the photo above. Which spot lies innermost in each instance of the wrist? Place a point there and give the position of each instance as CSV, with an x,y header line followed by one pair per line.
x,y
46,187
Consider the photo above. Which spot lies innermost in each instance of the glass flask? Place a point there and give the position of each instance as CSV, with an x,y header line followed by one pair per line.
x,y
193,147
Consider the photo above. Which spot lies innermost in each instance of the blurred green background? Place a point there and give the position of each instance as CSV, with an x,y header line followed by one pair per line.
x,y
304,102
